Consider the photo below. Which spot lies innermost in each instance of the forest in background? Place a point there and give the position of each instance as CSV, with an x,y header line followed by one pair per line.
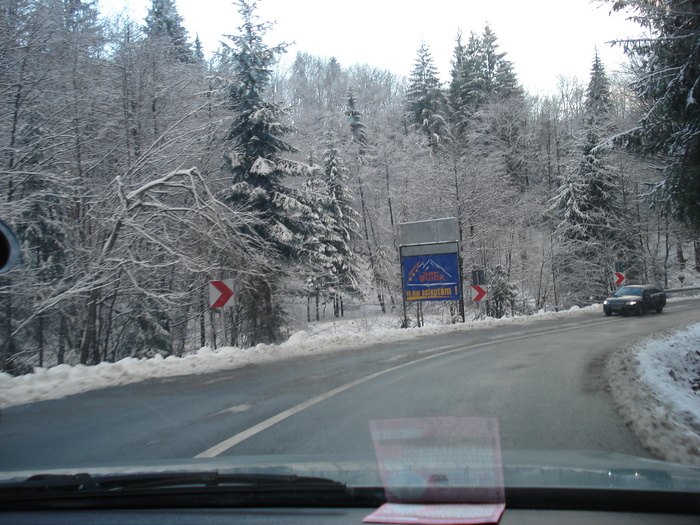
x,y
135,170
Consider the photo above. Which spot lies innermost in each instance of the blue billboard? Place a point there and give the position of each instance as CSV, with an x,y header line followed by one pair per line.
x,y
431,277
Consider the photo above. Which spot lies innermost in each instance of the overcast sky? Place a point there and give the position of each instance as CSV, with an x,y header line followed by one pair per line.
x,y
543,38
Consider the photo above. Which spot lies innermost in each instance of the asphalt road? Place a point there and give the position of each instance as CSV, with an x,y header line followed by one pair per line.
x,y
542,380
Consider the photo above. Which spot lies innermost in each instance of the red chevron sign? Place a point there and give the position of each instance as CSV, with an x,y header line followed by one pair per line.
x,y
221,293
478,293
619,278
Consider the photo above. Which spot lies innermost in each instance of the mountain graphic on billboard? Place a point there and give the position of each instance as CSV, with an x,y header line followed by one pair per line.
x,y
430,273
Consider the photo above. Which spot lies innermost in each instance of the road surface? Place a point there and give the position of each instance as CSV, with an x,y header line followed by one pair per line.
x,y
543,381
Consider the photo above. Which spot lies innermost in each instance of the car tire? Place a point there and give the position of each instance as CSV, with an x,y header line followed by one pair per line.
x,y
607,312
641,310
659,308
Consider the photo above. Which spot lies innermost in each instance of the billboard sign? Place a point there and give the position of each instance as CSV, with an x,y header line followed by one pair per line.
x,y
435,231
431,277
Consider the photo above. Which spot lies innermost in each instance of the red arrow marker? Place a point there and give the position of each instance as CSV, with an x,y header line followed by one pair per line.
x,y
225,294
619,278
478,293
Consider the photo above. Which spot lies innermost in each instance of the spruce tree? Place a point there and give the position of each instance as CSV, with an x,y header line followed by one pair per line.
x,y
198,48
344,267
588,205
358,130
668,81
255,147
333,266
164,21
501,293
493,75
425,99
462,93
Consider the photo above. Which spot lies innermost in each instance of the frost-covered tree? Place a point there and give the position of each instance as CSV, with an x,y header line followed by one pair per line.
x,y
358,129
487,109
501,293
164,21
198,48
480,73
341,214
360,141
425,100
588,207
334,267
462,96
495,75
254,158
668,82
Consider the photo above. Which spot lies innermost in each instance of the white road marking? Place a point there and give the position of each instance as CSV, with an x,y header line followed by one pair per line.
x,y
222,447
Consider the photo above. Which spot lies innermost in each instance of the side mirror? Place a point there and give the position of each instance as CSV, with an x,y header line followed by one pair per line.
x,y
9,247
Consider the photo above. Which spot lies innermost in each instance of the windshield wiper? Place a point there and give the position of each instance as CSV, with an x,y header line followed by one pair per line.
x,y
41,484
178,489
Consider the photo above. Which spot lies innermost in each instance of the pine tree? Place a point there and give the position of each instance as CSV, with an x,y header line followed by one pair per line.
x,y
602,177
425,99
357,127
164,21
333,266
668,81
198,48
501,293
258,169
494,75
591,217
344,266
462,95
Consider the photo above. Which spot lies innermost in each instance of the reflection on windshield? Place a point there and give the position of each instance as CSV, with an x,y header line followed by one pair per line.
x,y
628,290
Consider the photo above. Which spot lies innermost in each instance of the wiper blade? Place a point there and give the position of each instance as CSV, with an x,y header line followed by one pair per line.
x,y
41,484
182,490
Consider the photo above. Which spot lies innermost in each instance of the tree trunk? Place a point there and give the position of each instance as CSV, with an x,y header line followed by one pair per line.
x,y
9,348
62,339
367,223
90,325
318,317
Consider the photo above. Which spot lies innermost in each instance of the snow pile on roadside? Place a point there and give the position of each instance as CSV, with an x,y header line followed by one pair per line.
x,y
656,387
65,380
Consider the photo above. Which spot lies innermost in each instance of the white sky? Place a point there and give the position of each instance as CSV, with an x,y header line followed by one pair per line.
x,y
543,38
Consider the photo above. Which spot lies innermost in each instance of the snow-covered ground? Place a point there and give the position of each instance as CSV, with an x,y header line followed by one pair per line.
x,y
656,385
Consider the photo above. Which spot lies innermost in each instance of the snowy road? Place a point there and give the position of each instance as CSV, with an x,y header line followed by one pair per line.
x,y
543,380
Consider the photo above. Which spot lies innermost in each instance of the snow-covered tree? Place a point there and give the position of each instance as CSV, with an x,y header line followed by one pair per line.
x,y
164,21
589,209
462,96
425,100
665,60
501,293
254,158
334,267
480,73
495,75
341,214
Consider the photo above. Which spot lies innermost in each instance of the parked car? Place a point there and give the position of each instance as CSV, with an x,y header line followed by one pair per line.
x,y
636,299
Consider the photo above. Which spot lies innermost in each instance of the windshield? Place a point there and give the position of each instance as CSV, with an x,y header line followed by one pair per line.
x,y
243,244
629,290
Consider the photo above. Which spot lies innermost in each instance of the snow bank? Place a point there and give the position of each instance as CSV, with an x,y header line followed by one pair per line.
x,y
656,387
324,337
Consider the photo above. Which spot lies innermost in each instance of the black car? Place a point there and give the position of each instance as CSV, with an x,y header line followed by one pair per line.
x,y
637,299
